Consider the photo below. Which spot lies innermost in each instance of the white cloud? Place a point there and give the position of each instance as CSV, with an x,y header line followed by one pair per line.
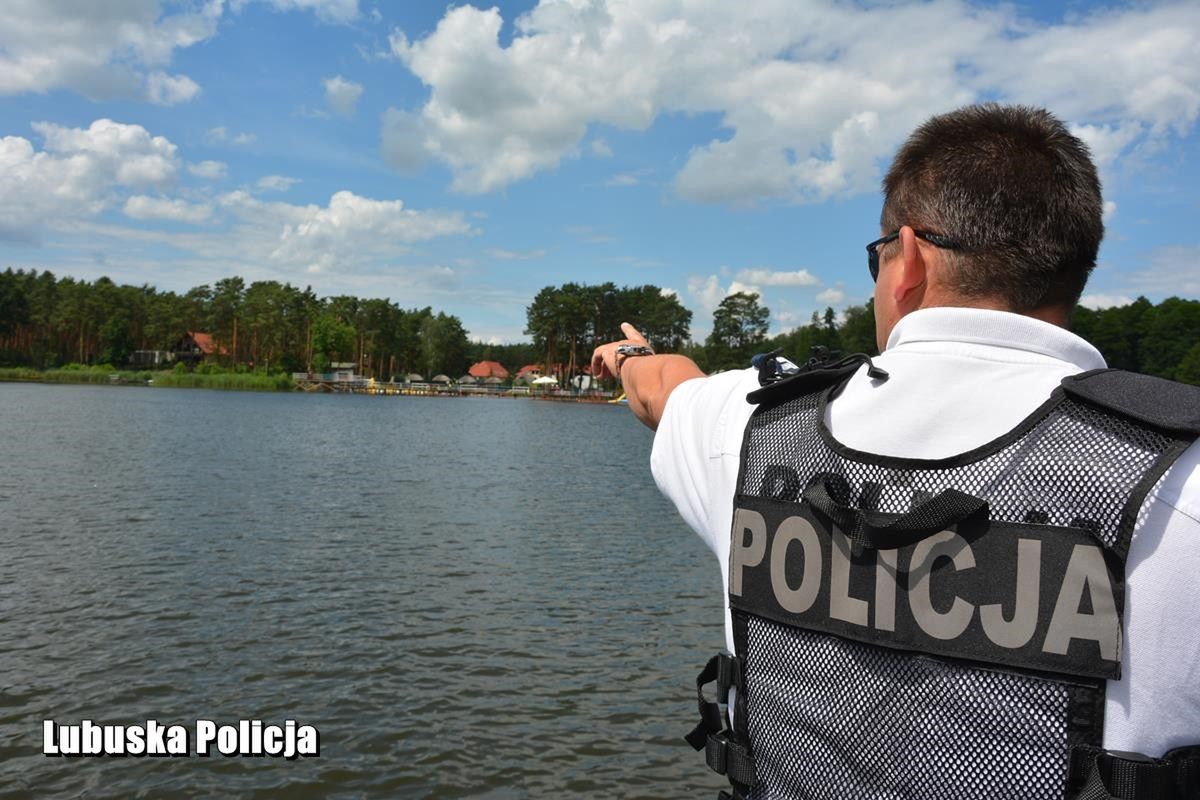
x,y
809,102
831,296
708,293
624,179
169,90
600,148
351,231
405,144
276,183
213,170
353,245
1110,210
667,291
1107,142
1099,301
342,95
1167,271
78,172
101,50
335,11
590,235
767,277
221,135
142,207
305,112
515,255
81,172
1172,270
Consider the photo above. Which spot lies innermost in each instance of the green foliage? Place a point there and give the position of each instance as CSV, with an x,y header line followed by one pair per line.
x,y
739,331
19,374
1188,370
444,346
14,303
45,321
1155,339
278,382
567,322
513,356
271,327
103,374
333,338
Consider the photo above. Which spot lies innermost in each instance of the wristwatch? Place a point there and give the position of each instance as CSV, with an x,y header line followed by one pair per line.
x,y
624,351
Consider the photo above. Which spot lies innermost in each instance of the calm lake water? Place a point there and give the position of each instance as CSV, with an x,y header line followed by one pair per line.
x,y
467,597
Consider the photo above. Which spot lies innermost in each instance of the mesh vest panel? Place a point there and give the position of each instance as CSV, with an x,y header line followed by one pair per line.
x,y
829,717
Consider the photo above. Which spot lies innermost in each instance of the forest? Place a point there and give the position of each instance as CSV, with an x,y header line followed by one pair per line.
x,y
1162,339
48,322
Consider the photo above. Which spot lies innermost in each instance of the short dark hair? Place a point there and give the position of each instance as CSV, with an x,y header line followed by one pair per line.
x,y
1015,189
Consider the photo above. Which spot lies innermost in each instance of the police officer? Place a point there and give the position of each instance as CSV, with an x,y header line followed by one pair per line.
x,y
970,568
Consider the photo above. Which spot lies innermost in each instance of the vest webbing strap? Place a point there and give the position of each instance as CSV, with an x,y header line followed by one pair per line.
x,y
1113,775
722,751
726,757
949,507
725,670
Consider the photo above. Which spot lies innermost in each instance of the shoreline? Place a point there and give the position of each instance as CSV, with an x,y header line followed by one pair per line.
x,y
248,382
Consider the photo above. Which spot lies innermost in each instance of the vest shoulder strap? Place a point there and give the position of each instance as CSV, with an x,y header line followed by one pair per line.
x,y
1167,405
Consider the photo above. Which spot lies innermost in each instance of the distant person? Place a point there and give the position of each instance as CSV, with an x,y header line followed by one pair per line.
x,y
971,568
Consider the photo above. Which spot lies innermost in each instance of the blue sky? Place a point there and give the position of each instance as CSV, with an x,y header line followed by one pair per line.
x,y
463,157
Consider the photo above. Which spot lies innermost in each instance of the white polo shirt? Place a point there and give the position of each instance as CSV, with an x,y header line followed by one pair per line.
x,y
960,378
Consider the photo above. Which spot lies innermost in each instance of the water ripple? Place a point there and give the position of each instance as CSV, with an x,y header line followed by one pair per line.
x,y
426,582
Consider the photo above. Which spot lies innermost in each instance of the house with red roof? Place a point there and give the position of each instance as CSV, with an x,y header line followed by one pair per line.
x,y
196,346
529,372
488,369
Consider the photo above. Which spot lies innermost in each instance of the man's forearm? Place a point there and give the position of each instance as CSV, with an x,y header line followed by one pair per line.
x,y
649,380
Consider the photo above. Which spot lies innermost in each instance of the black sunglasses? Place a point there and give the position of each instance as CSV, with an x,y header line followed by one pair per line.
x,y
873,248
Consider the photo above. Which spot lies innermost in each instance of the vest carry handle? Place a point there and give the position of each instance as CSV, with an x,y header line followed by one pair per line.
x,y
948,508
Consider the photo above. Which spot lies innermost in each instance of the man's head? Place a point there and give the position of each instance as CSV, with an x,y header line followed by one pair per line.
x,y
1014,195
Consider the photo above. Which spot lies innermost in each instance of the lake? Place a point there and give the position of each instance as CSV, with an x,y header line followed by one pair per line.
x,y
467,597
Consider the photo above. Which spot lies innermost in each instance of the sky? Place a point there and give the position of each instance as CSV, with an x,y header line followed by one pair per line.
x,y
463,157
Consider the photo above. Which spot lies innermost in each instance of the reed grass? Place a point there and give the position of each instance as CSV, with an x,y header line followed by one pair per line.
x,y
235,381
246,382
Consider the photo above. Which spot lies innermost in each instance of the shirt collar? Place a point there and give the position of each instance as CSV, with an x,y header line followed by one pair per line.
x,y
981,326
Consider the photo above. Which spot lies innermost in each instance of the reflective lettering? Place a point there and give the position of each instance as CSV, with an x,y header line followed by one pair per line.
x,y
885,589
841,605
743,554
939,625
1017,632
799,599
1085,572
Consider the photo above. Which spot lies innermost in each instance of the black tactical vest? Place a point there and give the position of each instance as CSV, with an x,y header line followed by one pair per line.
x,y
937,628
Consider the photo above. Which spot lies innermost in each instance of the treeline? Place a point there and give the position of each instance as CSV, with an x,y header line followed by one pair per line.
x,y
48,322
567,322
1161,340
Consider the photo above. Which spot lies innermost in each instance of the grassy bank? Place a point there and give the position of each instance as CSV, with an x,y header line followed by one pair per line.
x,y
235,381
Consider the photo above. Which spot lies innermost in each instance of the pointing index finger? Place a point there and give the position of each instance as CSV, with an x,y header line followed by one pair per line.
x,y
632,333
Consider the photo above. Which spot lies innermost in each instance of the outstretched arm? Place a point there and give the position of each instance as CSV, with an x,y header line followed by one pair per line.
x,y
648,380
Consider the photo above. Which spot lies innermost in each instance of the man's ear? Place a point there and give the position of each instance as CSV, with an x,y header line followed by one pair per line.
x,y
908,286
